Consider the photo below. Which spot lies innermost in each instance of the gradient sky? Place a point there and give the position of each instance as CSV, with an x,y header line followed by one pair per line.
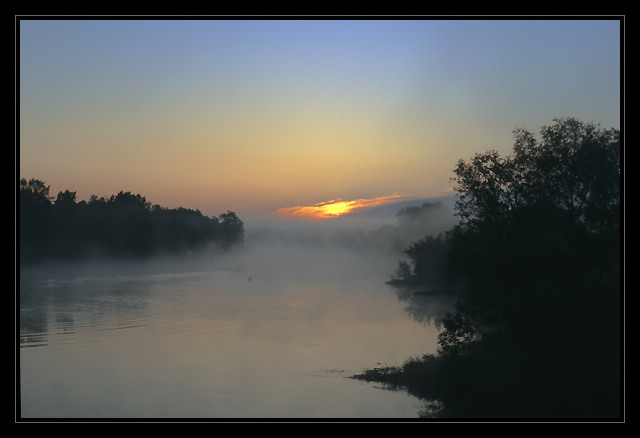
x,y
258,115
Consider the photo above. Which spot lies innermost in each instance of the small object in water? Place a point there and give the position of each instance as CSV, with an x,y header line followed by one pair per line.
x,y
249,278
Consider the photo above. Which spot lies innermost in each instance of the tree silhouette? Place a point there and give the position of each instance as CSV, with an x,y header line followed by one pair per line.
x,y
231,228
35,216
542,224
537,332
124,225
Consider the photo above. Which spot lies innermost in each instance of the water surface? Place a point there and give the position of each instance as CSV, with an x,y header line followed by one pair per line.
x,y
262,333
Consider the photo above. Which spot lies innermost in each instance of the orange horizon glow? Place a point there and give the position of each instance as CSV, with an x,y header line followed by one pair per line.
x,y
338,207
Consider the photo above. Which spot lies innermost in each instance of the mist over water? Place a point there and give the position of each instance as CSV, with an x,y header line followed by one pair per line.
x,y
271,329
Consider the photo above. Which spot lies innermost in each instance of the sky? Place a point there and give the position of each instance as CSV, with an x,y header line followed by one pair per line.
x,y
259,116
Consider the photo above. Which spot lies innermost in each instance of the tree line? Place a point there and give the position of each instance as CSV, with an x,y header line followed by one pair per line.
x,y
124,225
535,261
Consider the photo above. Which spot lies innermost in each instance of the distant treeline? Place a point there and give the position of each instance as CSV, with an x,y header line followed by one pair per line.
x,y
124,225
535,262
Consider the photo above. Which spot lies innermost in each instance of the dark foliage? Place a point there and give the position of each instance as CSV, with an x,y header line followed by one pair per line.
x,y
125,225
538,333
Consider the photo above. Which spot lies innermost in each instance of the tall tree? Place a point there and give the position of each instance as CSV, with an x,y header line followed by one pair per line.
x,y
545,218
537,332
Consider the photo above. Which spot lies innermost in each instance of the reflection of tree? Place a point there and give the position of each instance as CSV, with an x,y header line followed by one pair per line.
x,y
426,307
33,327
125,225
537,255
61,306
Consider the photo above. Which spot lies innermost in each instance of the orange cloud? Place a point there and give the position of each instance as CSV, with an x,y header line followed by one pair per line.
x,y
338,207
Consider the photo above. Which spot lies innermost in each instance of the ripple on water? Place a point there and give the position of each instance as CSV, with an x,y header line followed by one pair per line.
x,y
91,311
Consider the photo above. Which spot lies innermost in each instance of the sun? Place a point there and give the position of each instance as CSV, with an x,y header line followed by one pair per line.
x,y
330,209
320,211
336,208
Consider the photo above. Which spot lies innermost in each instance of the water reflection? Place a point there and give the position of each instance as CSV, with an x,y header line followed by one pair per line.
x,y
58,307
212,344
426,306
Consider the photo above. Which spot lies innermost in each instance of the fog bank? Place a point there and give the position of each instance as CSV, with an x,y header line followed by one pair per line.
x,y
368,242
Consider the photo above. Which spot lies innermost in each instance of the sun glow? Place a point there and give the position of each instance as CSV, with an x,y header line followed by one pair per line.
x,y
338,207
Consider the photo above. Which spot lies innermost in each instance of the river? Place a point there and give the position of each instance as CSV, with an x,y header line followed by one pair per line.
x,y
267,332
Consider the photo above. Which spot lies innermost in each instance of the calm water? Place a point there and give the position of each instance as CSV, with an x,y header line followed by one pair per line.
x,y
270,332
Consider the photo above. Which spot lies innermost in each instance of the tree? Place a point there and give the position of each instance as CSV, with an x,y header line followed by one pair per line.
x,y
545,218
35,217
66,199
537,331
35,190
124,225
428,256
127,200
575,167
485,186
539,245
232,228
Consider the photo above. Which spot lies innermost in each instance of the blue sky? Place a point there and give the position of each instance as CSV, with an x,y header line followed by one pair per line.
x,y
257,115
